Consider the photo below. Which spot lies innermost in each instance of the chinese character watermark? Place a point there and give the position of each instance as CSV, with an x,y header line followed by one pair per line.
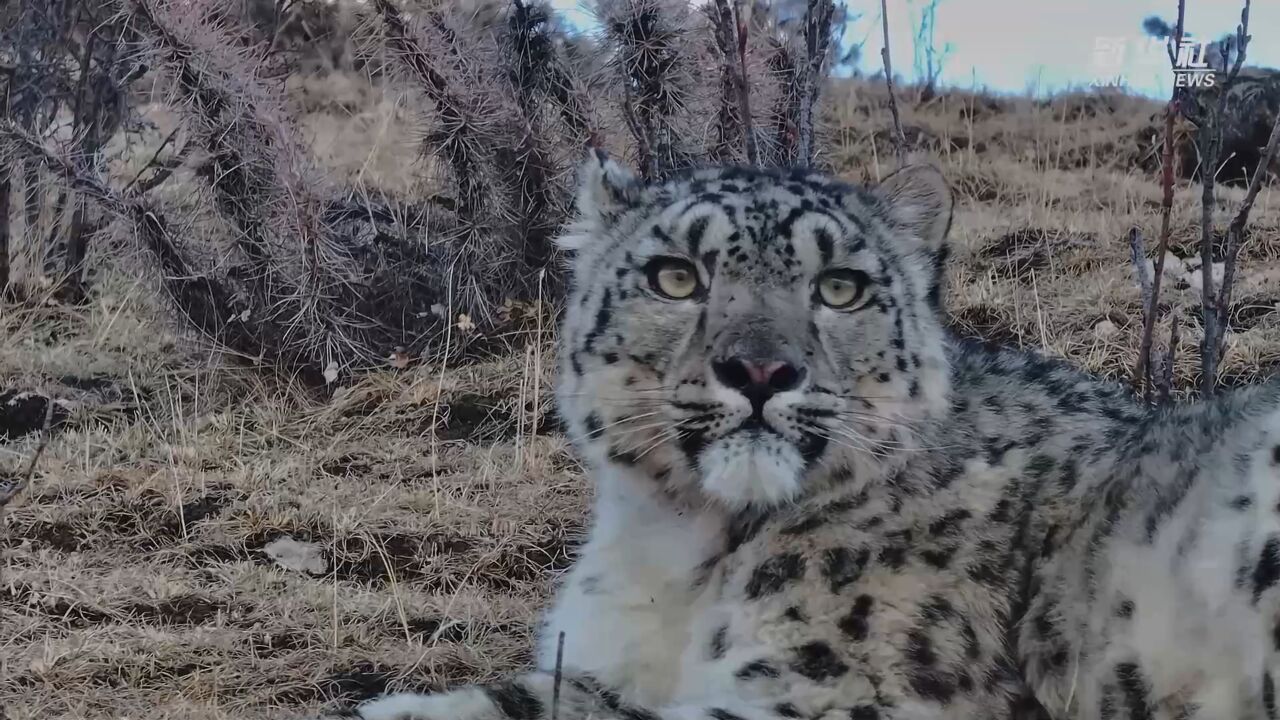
x,y
1113,55
1109,61
1190,66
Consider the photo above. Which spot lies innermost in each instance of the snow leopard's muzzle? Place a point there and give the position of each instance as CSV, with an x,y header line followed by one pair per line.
x,y
746,407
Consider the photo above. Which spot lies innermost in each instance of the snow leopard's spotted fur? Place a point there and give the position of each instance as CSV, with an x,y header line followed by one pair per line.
x,y
924,528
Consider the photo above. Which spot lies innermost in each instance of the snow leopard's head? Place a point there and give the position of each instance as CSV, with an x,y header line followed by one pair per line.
x,y
744,335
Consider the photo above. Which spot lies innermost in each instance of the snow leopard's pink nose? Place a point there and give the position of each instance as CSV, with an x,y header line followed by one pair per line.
x,y
757,379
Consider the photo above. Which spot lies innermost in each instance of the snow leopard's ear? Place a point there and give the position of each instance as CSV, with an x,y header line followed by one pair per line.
x,y
605,190
916,199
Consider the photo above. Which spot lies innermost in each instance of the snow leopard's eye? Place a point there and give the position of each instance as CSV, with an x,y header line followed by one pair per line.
x,y
843,289
673,278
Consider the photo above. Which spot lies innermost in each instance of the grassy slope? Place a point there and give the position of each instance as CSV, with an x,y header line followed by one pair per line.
x,y
134,580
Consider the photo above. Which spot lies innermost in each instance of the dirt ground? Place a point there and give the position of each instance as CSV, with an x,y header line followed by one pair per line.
x,y
202,542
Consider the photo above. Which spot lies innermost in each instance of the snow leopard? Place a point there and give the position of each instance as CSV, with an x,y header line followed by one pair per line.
x,y
812,501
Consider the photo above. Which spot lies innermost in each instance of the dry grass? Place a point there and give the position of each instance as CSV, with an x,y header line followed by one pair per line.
x,y
136,578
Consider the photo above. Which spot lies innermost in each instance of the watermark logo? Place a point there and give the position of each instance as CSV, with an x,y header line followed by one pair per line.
x,y
1109,56
1113,56
1190,66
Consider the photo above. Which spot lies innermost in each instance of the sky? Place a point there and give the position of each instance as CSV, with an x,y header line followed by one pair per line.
x,y
1016,46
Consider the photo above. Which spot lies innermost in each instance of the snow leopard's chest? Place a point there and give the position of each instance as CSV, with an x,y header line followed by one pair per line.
x,y
628,607
657,601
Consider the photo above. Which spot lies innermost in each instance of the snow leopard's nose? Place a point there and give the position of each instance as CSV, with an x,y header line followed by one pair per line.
x,y
759,380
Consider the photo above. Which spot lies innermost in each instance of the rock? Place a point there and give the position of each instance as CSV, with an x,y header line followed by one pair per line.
x,y
298,556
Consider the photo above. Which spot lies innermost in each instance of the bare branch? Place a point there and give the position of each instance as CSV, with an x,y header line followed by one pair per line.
x,y
1138,257
729,29
1164,386
154,162
648,161
740,23
200,299
650,57
1209,139
528,170
1209,348
555,689
456,141
243,149
786,110
1175,40
817,37
1142,371
6,180
1242,39
899,137
1235,231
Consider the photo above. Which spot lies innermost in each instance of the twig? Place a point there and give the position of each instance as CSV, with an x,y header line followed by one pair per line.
x,y
1212,312
648,163
16,144
529,178
153,162
899,137
1209,315
6,179
817,36
243,147
1138,256
1235,231
740,80
786,111
203,300
1166,375
457,143
555,687
1141,372
729,28
281,17
728,115
7,494
649,39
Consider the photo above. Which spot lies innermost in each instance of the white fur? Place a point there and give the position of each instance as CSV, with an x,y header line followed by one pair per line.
x,y
468,702
629,635
763,470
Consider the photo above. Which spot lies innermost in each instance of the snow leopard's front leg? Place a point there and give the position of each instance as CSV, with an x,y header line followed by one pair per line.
x,y
534,696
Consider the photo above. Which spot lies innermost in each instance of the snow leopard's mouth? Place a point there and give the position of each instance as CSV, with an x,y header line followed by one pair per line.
x,y
810,444
701,423
756,464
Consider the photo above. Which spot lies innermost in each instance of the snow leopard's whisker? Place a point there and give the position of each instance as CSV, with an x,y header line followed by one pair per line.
x,y
668,435
623,401
866,418
828,430
698,419
655,396
634,438
663,423
885,441
836,435
847,431
878,418
903,446
843,396
629,418
669,432
843,443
